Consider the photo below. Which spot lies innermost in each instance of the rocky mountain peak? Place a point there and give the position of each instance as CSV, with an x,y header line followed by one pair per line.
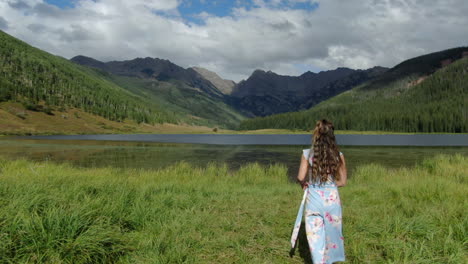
x,y
225,86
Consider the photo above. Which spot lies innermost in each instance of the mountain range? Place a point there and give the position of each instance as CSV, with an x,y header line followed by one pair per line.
x,y
262,94
155,91
267,93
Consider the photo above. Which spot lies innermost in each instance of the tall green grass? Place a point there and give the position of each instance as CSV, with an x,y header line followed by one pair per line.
x,y
53,213
416,215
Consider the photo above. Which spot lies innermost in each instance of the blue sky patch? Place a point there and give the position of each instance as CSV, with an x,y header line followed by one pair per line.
x,y
61,3
190,10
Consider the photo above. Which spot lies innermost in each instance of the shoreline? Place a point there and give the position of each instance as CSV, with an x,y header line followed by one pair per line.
x,y
229,132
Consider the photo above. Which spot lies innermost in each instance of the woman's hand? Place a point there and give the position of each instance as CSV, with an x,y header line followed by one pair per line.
x,y
342,172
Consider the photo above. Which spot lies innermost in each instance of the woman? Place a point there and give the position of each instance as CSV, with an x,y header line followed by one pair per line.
x,y
327,171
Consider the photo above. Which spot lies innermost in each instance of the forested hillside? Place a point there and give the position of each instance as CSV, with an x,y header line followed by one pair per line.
x,y
44,82
412,97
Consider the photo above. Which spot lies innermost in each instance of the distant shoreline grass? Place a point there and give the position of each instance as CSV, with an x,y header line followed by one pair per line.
x,y
235,132
56,213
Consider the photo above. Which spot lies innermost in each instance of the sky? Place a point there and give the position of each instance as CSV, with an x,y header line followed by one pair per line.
x,y
235,37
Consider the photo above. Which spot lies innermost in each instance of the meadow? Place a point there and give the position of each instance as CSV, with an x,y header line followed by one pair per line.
x,y
57,213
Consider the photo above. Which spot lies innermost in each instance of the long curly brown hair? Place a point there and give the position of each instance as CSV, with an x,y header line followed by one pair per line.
x,y
326,153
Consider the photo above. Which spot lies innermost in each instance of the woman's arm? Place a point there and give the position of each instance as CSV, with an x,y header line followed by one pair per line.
x,y
303,169
342,172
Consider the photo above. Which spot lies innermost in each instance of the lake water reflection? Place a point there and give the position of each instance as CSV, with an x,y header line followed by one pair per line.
x,y
148,155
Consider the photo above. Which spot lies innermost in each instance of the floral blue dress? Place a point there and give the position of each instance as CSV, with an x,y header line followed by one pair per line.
x,y
322,206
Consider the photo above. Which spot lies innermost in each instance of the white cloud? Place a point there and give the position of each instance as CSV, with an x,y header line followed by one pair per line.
x,y
352,33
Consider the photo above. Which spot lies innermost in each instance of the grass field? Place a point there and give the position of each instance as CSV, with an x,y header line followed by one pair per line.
x,y
53,213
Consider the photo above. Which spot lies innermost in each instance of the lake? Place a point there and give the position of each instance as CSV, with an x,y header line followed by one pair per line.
x,y
278,139
116,152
